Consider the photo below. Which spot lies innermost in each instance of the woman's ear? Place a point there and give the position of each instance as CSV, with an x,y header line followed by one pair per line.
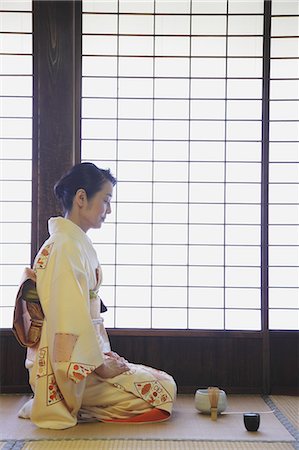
x,y
80,197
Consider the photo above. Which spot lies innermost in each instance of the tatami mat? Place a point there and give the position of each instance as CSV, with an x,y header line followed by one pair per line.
x,y
289,406
185,424
153,445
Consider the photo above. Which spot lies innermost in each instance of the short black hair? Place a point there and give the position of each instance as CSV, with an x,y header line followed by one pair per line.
x,y
85,176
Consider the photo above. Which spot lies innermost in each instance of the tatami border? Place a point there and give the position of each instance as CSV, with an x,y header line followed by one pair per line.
x,y
283,420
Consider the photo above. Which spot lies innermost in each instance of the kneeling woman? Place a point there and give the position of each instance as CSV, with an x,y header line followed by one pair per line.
x,y
73,372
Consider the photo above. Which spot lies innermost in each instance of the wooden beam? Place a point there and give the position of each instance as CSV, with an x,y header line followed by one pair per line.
x,y
56,98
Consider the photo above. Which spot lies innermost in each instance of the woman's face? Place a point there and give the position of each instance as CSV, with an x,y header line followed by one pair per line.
x,y
94,211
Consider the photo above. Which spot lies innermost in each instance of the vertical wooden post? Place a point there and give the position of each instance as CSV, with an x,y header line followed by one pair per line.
x,y
265,198
56,94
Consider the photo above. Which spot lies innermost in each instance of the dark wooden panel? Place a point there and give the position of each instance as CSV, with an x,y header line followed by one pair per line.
x,y
284,362
235,364
13,375
228,360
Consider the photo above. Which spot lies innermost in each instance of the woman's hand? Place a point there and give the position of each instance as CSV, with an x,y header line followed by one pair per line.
x,y
115,355
112,367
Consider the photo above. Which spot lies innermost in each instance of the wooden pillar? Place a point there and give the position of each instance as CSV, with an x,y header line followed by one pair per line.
x,y
56,93
265,198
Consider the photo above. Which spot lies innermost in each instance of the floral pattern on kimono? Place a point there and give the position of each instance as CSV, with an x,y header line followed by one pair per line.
x,y
42,362
153,392
43,256
54,394
77,371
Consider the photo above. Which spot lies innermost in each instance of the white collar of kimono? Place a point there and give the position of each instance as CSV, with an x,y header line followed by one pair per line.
x,y
62,225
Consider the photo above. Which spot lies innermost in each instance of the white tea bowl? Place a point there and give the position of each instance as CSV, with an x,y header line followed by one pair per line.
x,y
202,401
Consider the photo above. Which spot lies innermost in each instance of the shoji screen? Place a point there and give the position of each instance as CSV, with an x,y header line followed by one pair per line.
x,y
284,167
172,103
15,148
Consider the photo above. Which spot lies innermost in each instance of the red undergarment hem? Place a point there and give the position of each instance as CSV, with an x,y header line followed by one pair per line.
x,y
155,415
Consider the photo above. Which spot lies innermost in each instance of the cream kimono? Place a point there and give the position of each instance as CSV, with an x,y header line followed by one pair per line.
x,y
74,343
